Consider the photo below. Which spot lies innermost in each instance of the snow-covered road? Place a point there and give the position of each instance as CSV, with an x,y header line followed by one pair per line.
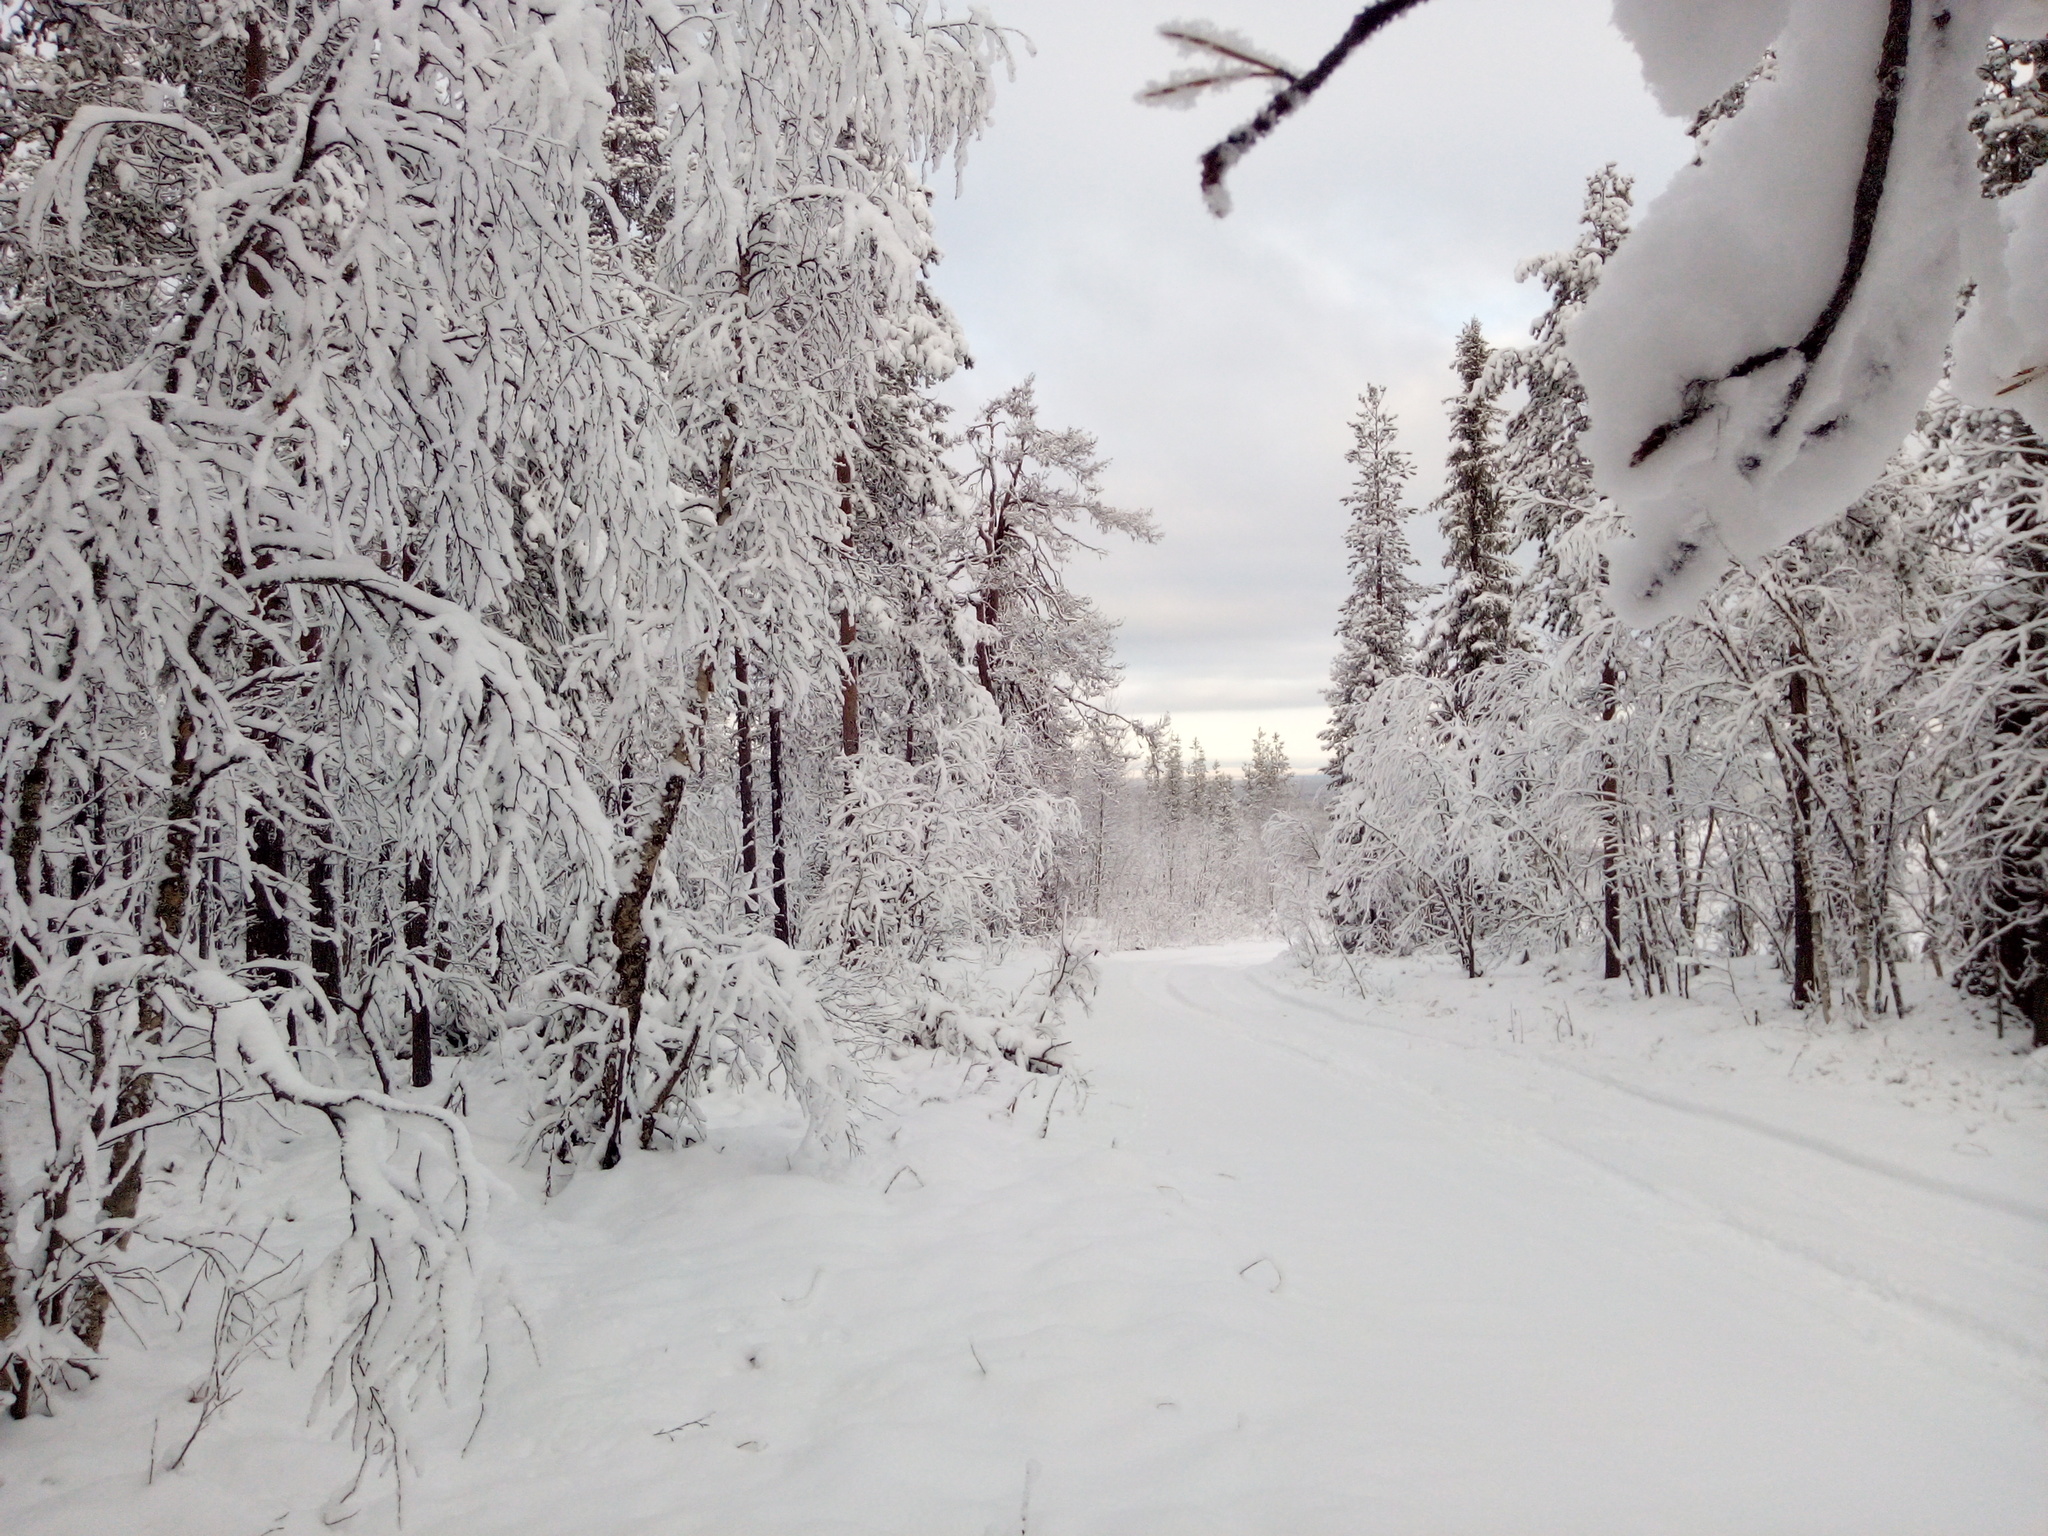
x,y
1293,1265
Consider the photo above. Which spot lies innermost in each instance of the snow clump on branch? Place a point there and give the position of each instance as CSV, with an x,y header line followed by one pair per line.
x,y
1768,333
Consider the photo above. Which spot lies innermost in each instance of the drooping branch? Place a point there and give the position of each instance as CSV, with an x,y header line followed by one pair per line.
x,y
1216,163
1870,185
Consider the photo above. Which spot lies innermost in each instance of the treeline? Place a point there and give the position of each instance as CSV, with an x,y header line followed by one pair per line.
x,y
1834,761
485,573
1180,851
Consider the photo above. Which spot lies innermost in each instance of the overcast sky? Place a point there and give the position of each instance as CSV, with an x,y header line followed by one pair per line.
x,y
1218,362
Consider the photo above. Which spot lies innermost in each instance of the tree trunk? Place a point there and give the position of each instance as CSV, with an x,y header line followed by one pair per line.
x,y
988,604
1805,971
778,872
849,636
1610,839
635,946
849,689
324,947
419,897
14,1375
137,1091
269,930
24,846
743,734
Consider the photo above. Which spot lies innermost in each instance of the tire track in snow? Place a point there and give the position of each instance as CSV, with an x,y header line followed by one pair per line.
x,y
2010,1350
1930,1182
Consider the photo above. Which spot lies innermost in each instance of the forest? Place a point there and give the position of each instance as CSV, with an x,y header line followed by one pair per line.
x,y
515,674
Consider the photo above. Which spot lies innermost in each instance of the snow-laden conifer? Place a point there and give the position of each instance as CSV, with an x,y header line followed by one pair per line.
x,y
1474,622
1373,641
1546,480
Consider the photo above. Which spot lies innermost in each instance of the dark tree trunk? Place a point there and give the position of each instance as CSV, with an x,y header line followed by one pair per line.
x,y
635,947
988,602
324,947
1610,840
25,844
849,690
419,897
849,636
743,733
137,1090
778,873
269,935
1805,971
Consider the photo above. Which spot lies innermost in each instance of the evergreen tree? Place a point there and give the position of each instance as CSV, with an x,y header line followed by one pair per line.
x,y
1546,480
1268,779
1547,487
1372,627
1475,623
2011,122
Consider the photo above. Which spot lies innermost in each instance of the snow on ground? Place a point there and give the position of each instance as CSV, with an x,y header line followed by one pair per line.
x,y
1512,1256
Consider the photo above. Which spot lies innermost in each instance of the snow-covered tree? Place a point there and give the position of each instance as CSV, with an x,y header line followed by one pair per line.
x,y
457,468
1041,650
1474,622
2011,122
1373,642
1546,481
1991,473
1770,333
254,542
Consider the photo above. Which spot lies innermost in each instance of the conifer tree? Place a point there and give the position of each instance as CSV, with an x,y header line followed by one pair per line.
x,y
2011,122
1268,778
1546,482
1474,624
1372,626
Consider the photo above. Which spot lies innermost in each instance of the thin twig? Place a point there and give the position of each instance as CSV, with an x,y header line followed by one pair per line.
x,y
1216,163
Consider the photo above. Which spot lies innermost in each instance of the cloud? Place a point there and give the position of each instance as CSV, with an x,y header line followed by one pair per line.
x,y
1218,362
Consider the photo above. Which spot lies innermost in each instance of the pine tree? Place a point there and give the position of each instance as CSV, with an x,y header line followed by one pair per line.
x,y
1546,480
1474,624
2011,122
1268,779
1372,627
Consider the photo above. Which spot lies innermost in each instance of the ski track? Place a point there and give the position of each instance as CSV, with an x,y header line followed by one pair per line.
x,y
2010,1346
1948,1187
1270,1264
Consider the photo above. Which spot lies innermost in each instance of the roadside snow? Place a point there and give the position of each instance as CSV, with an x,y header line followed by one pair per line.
x,y
1510,1256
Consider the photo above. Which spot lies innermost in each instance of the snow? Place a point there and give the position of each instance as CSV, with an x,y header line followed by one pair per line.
x,y
2002,343
1728,413
1692,53
1763,341
1510,1255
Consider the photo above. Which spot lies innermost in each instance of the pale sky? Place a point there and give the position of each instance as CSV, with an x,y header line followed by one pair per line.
x,y
1218,362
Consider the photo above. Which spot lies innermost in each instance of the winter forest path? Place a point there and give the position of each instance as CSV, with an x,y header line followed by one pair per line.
x,y
1298,1267
1292,1265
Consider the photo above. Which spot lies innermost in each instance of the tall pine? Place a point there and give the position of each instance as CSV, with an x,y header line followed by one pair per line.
x,y
1372,627
1546,480
1474,624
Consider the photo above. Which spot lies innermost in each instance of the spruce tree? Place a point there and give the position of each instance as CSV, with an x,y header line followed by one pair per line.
x,y
1372,626
1474,624
2011,122
1546,481
1548,495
